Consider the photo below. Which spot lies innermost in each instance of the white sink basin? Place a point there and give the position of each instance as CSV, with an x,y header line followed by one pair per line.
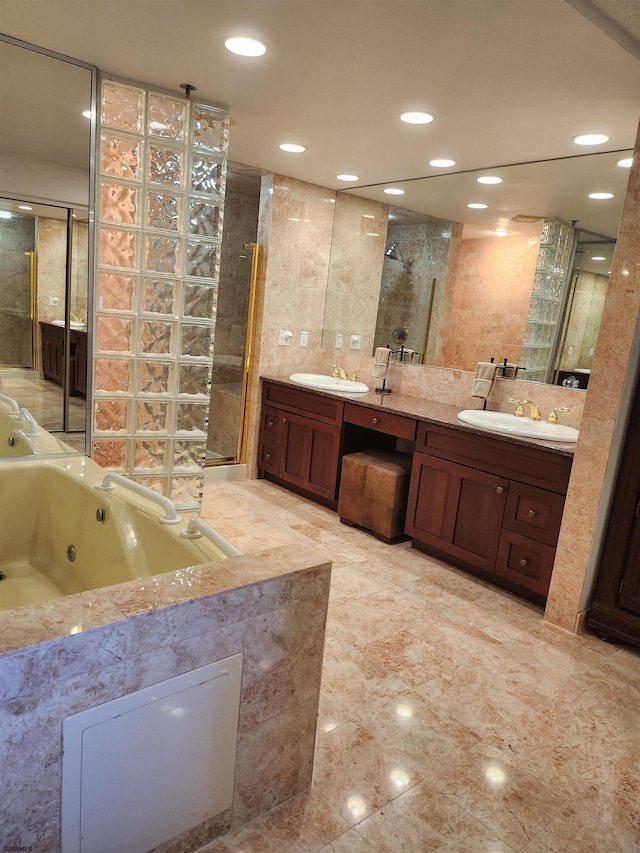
x,y
329,383
73,324
506,424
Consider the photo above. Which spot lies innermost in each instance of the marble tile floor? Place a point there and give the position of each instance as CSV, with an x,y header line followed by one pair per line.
x,y
452,717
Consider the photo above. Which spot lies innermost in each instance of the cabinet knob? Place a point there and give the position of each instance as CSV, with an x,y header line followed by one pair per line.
x,y
267,456
271,423
376,420
532,513
499,489
284,421
524,562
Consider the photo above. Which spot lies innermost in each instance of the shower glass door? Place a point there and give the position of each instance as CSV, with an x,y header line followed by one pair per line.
x,y
17,260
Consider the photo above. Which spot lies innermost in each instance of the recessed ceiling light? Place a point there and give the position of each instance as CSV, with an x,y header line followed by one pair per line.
x,y
500,232
292,148
625,163
590,139
5,214
24,207
477,205
245,46
86,113
601,195
442,164
598,258
416,117
347,177
394,191
489,179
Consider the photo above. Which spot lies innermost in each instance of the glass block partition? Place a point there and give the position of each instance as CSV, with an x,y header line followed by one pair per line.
x,y
160,198
547,296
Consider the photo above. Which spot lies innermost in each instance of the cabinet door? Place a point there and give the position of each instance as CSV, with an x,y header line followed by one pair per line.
x,y
456,509
309,456
629,597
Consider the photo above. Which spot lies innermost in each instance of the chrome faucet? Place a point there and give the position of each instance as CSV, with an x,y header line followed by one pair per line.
x,y
534,411
339,372
553,414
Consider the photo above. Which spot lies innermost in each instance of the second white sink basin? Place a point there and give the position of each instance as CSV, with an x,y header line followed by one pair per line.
x,y
329,383
506,424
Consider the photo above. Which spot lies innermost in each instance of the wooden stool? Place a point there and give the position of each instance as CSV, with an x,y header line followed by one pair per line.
x,y
373,492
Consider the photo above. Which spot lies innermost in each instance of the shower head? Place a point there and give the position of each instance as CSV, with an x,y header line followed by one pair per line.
x,y
392,252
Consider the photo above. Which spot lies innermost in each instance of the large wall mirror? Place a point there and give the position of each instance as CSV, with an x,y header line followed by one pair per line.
x,y
45,241
460,274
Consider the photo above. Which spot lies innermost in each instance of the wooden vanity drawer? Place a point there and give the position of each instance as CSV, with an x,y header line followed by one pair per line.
x,y
302,402
534,512
525,562
269,420
517,462
380,421
268,455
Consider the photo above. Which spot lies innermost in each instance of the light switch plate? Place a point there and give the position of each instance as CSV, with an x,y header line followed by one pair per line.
x,y
355,341
338,342
304,339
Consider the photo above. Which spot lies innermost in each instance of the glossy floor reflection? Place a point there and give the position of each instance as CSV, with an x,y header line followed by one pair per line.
x,y
452,718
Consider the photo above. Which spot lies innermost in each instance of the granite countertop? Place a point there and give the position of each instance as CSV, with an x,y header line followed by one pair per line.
x,y
429,411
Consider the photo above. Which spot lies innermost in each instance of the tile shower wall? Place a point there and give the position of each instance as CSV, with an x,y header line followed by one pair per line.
x,y
160,195
407,292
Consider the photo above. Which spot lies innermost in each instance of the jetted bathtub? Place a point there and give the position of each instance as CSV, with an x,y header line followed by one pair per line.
x,y
60,535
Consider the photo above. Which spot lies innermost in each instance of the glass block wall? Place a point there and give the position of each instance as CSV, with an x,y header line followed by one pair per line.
x,y
160,197
547,297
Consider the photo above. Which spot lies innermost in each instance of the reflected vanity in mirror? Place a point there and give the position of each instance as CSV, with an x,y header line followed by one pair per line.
x,y
467,283
45,166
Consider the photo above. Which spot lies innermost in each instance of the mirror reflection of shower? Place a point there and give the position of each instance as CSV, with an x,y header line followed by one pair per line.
x,y
43,312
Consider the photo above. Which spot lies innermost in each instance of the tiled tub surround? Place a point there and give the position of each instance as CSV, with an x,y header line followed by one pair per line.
x,y
67,655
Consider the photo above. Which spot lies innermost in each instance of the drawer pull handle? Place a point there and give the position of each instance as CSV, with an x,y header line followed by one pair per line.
x,y
524,562
284,420
376,420
532,513
499,490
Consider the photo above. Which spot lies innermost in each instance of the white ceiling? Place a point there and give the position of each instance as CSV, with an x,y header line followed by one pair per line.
x,y
510,81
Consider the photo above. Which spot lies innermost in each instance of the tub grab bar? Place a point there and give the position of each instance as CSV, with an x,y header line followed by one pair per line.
x,y
197,528
33,423
13,405
111,480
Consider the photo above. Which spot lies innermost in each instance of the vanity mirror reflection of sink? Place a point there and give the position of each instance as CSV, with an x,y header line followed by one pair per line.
x,y
507,424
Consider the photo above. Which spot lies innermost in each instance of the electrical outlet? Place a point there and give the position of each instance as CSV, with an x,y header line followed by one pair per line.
x,y
338,342
53,300
591,350
355,341
304,339
284,337
570,351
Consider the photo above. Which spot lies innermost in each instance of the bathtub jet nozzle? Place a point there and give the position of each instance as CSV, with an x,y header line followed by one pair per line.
x,y
71,553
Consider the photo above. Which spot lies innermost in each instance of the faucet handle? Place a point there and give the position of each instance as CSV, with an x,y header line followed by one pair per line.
x,y
553,414
519,412
354,376
336,371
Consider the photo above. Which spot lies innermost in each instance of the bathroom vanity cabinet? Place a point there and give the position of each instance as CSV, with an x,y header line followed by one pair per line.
x,y
487,504
53,357
300,441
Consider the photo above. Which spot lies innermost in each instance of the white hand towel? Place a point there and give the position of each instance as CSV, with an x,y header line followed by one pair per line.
x,y
483,381
381,362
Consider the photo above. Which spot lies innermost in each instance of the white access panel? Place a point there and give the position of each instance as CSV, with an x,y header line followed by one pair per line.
x,y
144,768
